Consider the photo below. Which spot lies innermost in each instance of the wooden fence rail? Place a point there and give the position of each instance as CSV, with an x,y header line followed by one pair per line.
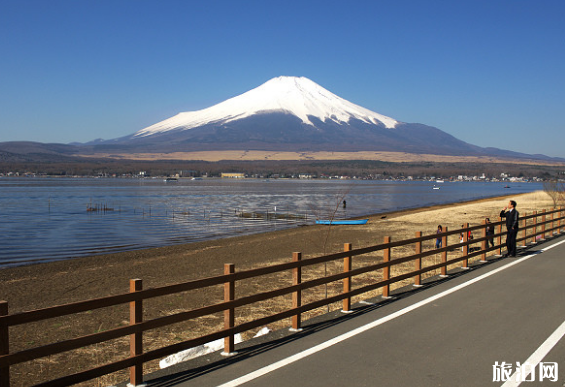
x,y
532,229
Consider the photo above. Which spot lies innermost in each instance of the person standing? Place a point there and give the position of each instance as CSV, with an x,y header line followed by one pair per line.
x,y
509,212
490,232
438,239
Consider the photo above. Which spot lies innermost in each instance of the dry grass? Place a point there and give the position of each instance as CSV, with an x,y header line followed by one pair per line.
x,y
253,155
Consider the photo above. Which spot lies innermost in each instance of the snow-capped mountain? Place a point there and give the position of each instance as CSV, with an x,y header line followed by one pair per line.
x,y
290,95
288,114
284,114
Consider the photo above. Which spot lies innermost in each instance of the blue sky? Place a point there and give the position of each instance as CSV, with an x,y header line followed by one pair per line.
x,y
491,73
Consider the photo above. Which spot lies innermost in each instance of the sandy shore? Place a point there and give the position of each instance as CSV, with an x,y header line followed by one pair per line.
x,y
48,284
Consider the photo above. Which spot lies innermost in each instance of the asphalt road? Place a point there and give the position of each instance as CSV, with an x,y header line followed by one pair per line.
x,y
456,332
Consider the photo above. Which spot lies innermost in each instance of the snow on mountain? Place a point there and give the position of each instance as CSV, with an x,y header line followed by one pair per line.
x,y
297,96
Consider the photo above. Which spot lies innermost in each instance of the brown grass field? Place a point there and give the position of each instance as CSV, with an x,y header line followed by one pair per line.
x,y
243,155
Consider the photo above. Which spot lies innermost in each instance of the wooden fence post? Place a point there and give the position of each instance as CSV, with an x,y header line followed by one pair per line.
x,y
4,344
136,339
418,261
534,229
297,295
552,221
466,247
444,254
229,314
543,235
347,280
499,239
524,228
386,270
484,243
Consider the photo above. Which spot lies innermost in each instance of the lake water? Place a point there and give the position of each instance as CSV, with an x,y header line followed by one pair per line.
x,y
46,219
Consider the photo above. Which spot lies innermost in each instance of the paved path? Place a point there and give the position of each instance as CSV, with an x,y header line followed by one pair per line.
x,y
454,333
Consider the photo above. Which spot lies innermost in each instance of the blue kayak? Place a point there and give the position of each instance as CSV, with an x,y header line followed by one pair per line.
x,y
336,222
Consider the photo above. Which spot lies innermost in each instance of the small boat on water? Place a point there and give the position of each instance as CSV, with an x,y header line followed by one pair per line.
x,y
338,222
506,186
171,179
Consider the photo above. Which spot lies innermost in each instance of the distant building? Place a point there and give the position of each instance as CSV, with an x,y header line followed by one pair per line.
x,y
233,175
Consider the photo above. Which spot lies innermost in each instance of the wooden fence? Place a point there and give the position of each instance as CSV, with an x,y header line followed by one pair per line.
x,y
532,228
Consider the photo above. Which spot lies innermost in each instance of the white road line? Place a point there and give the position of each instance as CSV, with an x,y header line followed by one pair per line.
x,y
542,351
301,355
537,356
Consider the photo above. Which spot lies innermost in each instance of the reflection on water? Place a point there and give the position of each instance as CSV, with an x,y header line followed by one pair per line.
x,y
50,219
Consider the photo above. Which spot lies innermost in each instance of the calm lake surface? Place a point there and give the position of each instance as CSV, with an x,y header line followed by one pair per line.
x,y
47,219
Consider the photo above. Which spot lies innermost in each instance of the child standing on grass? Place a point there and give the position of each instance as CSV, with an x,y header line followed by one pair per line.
x,y
438,239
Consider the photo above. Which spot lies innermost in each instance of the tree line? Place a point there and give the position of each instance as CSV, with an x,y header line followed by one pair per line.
x,y
269,168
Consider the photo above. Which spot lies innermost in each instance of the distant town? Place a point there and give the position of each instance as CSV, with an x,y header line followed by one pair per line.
x,y
291,169
504,177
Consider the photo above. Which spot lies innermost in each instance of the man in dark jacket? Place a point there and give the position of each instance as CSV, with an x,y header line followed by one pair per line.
x,y
509,212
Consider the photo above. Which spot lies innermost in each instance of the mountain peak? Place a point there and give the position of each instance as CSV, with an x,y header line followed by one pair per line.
x,y
298,96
